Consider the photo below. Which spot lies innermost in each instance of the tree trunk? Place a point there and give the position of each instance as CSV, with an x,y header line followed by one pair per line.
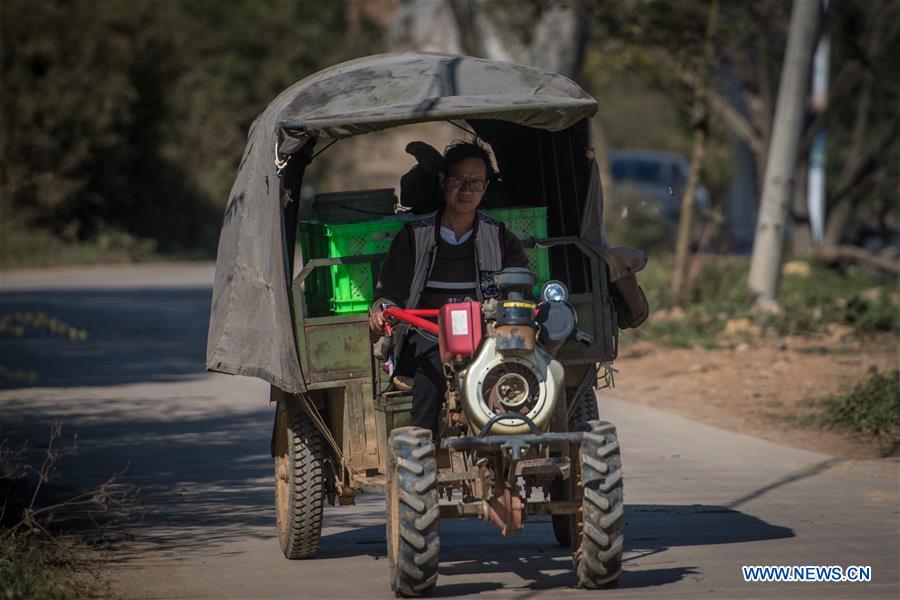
x,y
686,217
801,230
604,161
840,214
700,125
765,265
559,40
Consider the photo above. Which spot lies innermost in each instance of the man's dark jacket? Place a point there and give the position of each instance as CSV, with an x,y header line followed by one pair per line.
x,y
422,270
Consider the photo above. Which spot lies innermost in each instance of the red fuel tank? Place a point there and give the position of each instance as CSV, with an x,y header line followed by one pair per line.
x,y
459,326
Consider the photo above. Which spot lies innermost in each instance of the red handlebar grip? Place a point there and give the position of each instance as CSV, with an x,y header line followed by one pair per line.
x,y
410,317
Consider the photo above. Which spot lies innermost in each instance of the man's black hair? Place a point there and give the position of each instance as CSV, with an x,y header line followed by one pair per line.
x,y
460,150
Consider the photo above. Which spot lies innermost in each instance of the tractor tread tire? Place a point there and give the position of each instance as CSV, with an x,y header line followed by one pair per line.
x,y
585,411
600,531
299,535
411,498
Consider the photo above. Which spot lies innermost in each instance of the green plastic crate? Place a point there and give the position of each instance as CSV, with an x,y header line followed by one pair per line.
x,y
350,288
317,285
528,222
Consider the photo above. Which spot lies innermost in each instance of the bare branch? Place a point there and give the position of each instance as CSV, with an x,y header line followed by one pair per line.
x,y
5,501
49,535
870,160
737,122
854,181
855,253
719,104
102,497
50,460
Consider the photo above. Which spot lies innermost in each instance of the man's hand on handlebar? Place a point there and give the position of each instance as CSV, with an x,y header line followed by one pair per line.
x,y
376,318
376,322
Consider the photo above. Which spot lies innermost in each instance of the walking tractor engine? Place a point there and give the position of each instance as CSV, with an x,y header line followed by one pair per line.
x,y
507,447
512,384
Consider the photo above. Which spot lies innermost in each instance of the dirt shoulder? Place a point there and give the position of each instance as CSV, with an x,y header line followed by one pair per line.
x,y
764,390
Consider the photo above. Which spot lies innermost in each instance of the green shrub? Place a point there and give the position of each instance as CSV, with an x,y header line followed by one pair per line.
x,y
809,304
830,295
24,246
871,408
719,293
35,568
695,329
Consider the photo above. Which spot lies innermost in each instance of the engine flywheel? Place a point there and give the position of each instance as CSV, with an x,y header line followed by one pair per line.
x,y
510,387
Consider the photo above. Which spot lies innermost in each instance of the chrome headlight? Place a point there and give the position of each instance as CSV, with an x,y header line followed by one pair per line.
x,y
554,291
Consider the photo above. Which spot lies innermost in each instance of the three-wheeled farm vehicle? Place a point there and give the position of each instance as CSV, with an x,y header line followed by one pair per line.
x,y
520,435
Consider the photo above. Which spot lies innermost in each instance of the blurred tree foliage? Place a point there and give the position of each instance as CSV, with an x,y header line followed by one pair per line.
x,y
131,115
863,122
123,121
660,43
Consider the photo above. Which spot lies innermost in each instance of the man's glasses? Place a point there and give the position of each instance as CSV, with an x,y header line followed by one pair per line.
x,y
458,181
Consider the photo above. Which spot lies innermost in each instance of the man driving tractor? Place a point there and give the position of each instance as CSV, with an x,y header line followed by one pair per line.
x,y
446,257
523,432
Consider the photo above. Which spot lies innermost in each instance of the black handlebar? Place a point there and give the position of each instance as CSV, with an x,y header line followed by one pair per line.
x,y
487,426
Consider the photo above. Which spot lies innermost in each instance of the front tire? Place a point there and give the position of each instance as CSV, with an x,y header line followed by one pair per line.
x,y
413,515
601,529
299,481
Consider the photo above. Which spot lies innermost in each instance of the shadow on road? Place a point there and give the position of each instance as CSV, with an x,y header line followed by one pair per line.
x,y
787,479
207,481
206,476
470,547
655,527
140,335
202,480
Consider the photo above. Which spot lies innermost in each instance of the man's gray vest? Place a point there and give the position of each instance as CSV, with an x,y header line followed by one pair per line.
x,y
488,256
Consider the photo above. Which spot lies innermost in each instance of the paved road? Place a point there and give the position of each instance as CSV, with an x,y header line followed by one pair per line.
x,y
701,501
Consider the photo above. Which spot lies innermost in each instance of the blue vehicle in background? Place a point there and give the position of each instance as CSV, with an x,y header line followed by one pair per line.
x,y
655,178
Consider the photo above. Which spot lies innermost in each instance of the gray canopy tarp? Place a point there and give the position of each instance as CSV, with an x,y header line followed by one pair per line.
x,y
250,330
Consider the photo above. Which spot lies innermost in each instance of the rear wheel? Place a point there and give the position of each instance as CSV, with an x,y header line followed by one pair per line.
x,y
601,529
562,524
413,515
585,410
299,481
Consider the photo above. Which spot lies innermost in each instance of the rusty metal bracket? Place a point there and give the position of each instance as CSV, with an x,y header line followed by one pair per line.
x,y
497,443
554,465
468,475
554,507
505,510
346,478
